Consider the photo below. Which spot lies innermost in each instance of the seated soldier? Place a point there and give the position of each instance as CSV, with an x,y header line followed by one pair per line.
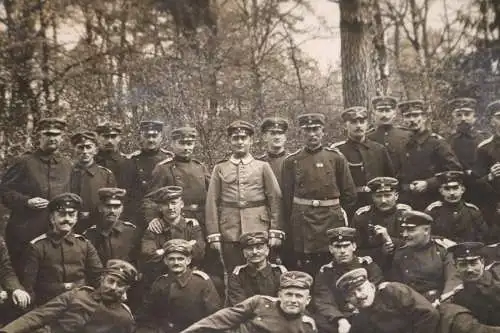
x,y
179,298
85,309
457,319
454,218
60,260
422,262
390,307
331,308
258,276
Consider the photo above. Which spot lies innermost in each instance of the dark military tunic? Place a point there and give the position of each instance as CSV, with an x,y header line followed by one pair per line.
x,y
330,303
394,139
245,281
115,243
175,302
114,161
86,181
80,310
457,319
425,155
55,265
33,175
276,163
397,308
8,279
464,143
460,222
257,314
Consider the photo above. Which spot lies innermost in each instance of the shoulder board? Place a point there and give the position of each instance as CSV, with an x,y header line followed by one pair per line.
x,y
401,206
382,285
87,288
165,161
193,222
123,154
269,298
365,260
329,265
281,267
308,320
437,136
493,245
490,266
370,130
129,224
201,274
39,238
168,152
222,160
105,169
471,205
261,157
237,269
78,236
444,242
92,227
336,144
363,209
197,161
294,153
433,205
485,142
134,154
125,306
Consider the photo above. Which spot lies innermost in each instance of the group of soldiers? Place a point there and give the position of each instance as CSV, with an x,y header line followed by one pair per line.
x,y
392,230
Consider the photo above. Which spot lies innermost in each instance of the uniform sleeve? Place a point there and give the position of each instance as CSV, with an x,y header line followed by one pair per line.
x,y
389,170
31,268
481,230
93,265
288,183
273,195
324,301
235,290
345,183
446,160
148,248
158,179
8,279
149,310
13,177
211,298
199,247
375,274
111,181
212,203
467,323
419,311
227,318
451,277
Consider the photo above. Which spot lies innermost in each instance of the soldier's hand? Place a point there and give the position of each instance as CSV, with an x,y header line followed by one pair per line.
x,y
155,226
21,298
380,230
344,326
495,170
37,203
274,242
216,246
419,186
3,296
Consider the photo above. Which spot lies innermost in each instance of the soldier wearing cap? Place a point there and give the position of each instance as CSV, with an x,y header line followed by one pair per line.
x,y
85,309
60,260
390,307
424,155
29,184
367,159
139,170
333,312
378,224
258,276
317,183
243,196
262,313
109,135
454,218
422,262
180,297
112,237
87,177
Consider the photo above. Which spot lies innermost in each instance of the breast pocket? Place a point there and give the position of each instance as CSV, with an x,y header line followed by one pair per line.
x,y
228,176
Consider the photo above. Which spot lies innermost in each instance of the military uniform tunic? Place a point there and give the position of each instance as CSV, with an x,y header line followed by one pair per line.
x,y
457,319
276,163
8,278
114,161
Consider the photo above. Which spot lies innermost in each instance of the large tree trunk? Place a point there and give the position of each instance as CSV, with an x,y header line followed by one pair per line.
x,y
356,35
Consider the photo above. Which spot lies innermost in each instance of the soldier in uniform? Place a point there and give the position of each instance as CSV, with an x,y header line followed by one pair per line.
x,y
385,132
317,183
87,178
332,310
457,319
390,307
85,309
243,196
112,237
109,155
422,262
454,218
60,260
260,313
385,211
425,154
258,276
29,184
367,159
180,297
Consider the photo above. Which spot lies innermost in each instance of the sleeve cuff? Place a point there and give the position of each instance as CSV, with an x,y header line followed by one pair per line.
x,y
273,233
214,238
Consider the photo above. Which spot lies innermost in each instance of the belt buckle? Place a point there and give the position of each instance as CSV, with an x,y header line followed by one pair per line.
x,y
315,203
68,285
242,204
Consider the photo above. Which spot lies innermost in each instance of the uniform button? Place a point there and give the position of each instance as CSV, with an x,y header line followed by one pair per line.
x,y
144,182
267,305
259,318
141,170
407,271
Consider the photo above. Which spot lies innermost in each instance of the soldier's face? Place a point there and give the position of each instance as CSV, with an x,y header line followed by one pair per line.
x,y
256,254
50,141
342,252
241,144
452,192
415,235
177,263
172,209
275,139
414,120
112,288
63,220
294,300
362,296
356,128
312,136
463,117
383,116
109,141
183,148
495,124
110,212
470,270
150,140
85,151
385,201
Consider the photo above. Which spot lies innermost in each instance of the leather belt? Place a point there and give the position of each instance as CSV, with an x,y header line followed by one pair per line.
x,y
243,204
363,189
316,203
193,207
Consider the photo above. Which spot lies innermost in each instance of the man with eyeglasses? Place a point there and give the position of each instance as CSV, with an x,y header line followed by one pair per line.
x,y
109,155
30,183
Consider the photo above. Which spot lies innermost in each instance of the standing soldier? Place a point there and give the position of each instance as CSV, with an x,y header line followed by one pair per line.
x,y
425,155
317,183
393,137
367,159
109,155
29,184
87,178
243,196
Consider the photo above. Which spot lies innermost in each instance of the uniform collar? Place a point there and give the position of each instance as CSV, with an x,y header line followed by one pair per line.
x,y
315,150
56,239
116,227
357,143
420,137
385,127
91,169
114,155
181,159
54,157
184,278
246,160
265,272
181,225
273,155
